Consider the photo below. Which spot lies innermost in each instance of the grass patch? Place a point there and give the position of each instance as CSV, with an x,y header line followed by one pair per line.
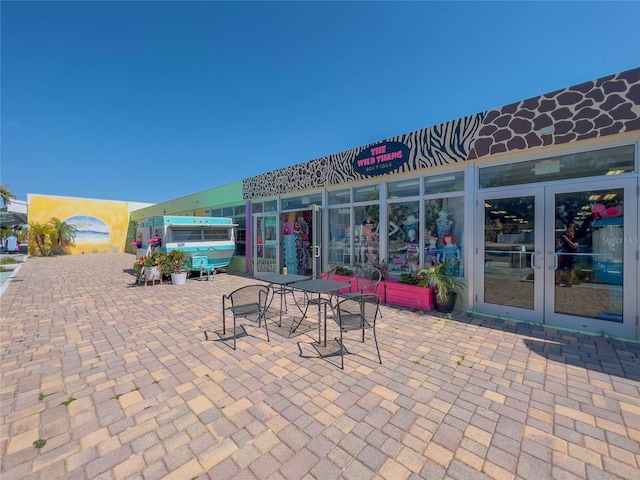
x,y
68,401
8,260
40,443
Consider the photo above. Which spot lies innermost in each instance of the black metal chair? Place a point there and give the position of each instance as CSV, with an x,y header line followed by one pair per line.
x,y
245,302
356,312
367,280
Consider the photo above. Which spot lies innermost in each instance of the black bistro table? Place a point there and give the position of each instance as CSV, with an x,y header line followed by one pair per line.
x,y
318,286
282,280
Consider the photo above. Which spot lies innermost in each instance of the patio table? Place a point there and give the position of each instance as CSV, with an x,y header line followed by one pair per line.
x,y
282,281
318,286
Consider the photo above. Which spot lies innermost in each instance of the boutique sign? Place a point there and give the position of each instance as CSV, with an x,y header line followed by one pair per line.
x,y
381,158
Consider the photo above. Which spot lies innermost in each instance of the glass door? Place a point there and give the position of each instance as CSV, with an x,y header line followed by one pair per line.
x,y
297,235
509,281
265,248
562,255
591,240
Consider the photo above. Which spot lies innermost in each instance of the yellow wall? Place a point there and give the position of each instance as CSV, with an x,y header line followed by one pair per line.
x,y
115,215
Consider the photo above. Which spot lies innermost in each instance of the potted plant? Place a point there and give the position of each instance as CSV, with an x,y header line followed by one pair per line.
x,y
149,267
175,264
444,286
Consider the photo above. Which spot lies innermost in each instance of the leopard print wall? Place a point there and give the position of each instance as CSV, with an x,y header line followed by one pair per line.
x,y
602,107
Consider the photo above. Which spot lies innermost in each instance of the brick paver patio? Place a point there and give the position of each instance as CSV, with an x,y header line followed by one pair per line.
x,y
121,384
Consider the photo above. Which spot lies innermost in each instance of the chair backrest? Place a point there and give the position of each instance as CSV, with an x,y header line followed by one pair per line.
x,y
358,312
248,300
368,280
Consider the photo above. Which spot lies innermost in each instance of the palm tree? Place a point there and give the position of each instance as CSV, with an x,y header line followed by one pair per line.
x,y
63,234
6,194
40,234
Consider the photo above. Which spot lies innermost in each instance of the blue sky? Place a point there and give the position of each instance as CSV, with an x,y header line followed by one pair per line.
x,y
151,101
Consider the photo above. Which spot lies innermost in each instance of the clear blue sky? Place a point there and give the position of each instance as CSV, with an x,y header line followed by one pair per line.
x,y
150,101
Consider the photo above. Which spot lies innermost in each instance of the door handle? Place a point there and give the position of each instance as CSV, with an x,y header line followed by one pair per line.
x,y
533,263
555,261
317,251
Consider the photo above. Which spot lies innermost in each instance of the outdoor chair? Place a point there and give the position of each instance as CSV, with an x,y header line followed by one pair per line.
x,y
356,312
367,280
249,302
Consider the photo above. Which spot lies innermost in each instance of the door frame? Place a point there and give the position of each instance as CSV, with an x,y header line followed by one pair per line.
x,y
276,242
543,257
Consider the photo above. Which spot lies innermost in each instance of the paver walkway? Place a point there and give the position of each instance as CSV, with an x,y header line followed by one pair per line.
x,y
121,384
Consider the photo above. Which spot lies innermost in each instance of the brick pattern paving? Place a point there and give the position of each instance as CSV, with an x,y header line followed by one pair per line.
x,y
121,383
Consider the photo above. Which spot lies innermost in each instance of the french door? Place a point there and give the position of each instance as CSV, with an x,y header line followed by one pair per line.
x,y
522,273
266,240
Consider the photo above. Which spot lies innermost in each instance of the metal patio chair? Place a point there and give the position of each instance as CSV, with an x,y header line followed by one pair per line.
x,y
247,302
356,312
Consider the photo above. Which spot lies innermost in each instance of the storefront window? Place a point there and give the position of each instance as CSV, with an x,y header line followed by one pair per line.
x,y
271,206
340,236
444,233
339,197
403,229
403,188
302,202
366,194
448,182
366,244
610,161
257,207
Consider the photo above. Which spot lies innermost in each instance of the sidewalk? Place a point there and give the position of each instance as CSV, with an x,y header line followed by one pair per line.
x,y
121,384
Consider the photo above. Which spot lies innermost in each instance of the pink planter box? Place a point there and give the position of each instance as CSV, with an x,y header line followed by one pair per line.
x,y
408,296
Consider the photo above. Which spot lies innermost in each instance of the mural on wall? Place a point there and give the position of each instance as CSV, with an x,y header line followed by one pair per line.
x,y
102,224
89,229
602,107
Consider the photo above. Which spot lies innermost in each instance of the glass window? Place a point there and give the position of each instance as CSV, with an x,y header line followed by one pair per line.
x,y
227,212
444,233
302,202
610,161
366,249
365,194
403,188
340,236
448,182
215,212
186,235
257,207
239,210
338,197
404,237
271,206
217,234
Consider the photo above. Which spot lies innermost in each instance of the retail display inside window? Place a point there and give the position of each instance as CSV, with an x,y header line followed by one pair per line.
x,y
366,231
340,236
444,235
403,229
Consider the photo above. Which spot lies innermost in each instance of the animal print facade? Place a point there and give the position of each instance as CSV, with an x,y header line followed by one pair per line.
x,y
593,109
602,107
443,144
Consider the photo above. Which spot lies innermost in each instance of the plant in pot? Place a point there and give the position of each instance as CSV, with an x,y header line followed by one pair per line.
x,y
175,264
444,285
149,267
